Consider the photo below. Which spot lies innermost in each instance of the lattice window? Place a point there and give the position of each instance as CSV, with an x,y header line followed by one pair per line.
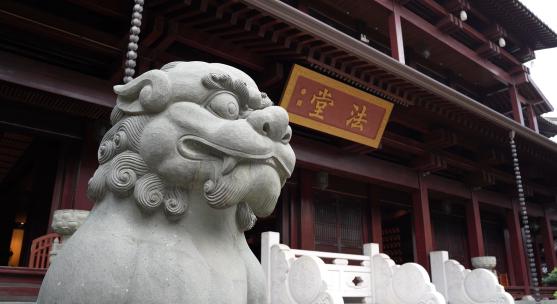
x,y
338,222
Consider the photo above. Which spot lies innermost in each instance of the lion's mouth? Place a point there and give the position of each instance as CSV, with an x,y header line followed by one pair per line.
x,y
197,148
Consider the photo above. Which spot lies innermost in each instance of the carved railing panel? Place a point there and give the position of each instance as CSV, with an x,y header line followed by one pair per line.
x,y
464,286
301,276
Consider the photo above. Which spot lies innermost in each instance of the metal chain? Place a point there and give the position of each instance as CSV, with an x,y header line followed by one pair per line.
x,y
135,29
525,224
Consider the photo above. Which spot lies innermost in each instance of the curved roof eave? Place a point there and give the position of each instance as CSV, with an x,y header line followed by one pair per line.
x,y
335,37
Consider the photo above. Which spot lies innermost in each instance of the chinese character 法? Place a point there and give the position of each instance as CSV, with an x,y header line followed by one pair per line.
x,y
357,118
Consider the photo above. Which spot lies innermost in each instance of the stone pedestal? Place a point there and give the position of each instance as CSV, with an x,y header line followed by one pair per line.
x,y
484,262
65,222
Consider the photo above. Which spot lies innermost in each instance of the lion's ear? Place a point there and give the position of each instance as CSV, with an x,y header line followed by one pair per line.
x,y
149,93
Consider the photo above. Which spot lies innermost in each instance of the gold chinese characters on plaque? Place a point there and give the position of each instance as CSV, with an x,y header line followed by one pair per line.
x,y
327,105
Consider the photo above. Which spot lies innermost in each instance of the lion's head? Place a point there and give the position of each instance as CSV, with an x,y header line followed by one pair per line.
x,y
195,126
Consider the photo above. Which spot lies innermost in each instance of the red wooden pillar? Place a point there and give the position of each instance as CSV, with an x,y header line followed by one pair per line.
x,y
422,224
517,247
307,211
516,105
548,243
375,208
510,257
87,165
532,121
294,213
63,194
395,36
285,205
474,226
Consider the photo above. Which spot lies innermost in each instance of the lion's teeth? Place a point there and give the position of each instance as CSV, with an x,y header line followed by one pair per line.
x,y
228,164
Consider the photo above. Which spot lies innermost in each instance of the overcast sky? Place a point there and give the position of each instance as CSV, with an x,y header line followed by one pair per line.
x,y
544,67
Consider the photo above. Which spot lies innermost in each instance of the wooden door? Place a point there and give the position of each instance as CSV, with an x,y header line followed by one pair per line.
x,y
338,223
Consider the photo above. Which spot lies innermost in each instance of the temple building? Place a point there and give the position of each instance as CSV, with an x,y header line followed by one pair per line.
x,y
402,113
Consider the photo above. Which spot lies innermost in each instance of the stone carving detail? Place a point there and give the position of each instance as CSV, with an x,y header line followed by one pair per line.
x,y
196,152
300,276
65,222
401,284
464,286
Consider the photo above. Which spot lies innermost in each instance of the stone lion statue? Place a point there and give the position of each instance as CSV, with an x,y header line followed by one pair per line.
x,y
195,154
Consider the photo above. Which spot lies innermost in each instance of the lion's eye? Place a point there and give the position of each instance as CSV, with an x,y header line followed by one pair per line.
x,y
225,105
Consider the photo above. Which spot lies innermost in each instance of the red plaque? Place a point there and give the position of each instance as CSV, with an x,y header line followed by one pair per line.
x,y
327,105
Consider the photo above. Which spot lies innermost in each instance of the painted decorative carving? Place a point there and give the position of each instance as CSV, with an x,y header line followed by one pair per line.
x,y
302,277
195,153
464,286
65,222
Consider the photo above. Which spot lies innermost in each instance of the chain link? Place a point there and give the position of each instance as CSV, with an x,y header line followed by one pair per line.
x,y
525,223
135,29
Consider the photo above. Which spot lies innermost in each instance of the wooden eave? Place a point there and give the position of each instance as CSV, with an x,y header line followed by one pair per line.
x,y
542,105
547,127
516,17
432,93
450,25
55,80
265,37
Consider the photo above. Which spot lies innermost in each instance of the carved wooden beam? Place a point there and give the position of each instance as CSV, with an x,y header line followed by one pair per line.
x,y
441,139
494,32
55,80
357,148
455,6
217,47
429,163
450,24
28,19
480,179
493,157
488,50
525,54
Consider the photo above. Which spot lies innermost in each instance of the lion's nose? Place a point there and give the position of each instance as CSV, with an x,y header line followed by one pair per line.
x,y
271,122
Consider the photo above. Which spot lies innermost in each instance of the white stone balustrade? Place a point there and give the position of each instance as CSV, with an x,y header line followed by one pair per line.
x,y
303,277
463,286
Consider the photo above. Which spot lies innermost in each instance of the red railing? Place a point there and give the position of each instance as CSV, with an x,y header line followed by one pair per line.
x,y
39,250
519,291
20,284
547,292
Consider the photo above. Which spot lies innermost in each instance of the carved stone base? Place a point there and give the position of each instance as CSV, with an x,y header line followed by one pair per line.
x,y
65,222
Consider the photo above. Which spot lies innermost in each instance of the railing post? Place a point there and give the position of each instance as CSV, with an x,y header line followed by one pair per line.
x,y
437,260
370,250
268,239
